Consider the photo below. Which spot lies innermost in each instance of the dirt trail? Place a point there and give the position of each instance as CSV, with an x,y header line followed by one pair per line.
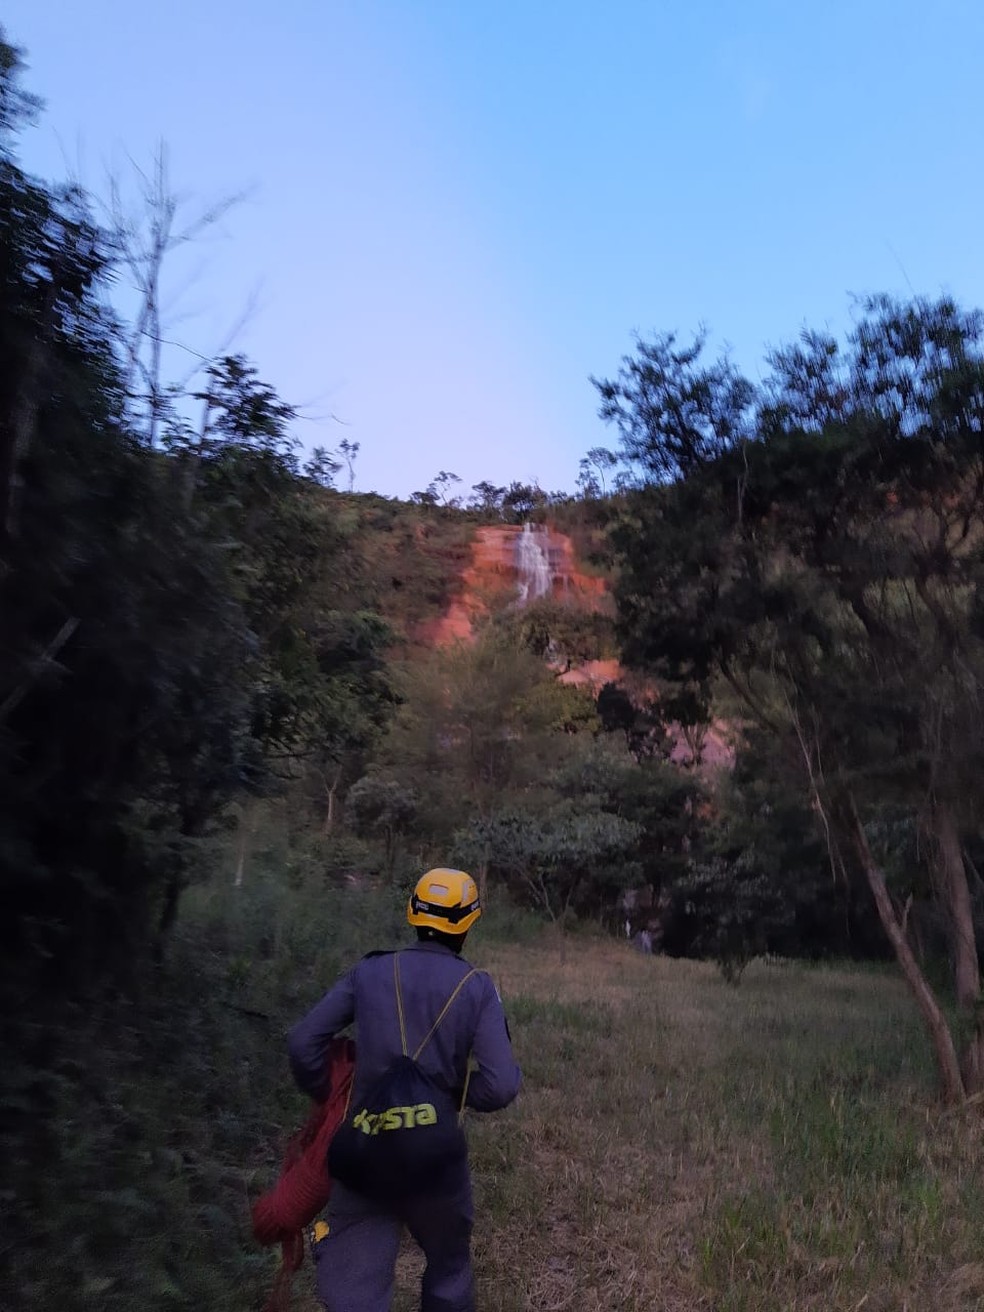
x,y
590,1190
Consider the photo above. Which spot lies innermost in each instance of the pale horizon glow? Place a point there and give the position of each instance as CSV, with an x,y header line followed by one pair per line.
x,y
455,213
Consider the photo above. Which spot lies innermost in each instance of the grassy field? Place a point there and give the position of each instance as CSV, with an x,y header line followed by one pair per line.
x,y
678,1144
681,1144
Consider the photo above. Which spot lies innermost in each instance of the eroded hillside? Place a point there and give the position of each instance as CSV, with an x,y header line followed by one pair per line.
x,y
514,565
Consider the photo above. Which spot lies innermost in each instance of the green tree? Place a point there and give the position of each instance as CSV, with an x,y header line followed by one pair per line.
x,y
824,564
674,413
480,725
349,452
596,468
567,855
322,467
488,498
382,808
521,500
564,632
176,626
659,800
115,620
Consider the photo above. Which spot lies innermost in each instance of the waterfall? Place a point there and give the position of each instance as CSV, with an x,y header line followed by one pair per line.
x,y
533,565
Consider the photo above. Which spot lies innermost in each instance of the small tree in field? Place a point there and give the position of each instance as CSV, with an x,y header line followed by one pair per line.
x,y
561,853
382,808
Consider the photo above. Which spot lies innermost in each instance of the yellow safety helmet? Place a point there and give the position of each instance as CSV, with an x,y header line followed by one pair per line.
x,y
446,900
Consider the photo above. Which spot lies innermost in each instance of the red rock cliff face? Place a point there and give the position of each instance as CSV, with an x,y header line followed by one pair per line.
x,y
506,560
509,565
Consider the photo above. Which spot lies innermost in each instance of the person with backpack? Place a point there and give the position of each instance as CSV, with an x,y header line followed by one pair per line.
x,y
431,1039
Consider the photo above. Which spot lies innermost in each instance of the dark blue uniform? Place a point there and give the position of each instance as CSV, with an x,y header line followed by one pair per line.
x,y
356,1261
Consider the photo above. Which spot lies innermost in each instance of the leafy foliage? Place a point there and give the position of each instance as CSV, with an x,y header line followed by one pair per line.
x,y
565,633
674,414
162,649
382,807
818,548
567,855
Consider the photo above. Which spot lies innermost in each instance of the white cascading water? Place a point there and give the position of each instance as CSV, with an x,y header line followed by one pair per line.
x,y
533,565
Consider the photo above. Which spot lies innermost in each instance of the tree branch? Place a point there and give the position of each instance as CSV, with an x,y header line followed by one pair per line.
x,y
38,667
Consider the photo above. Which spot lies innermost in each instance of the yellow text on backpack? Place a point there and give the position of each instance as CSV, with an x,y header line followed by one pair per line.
x,y
396,1118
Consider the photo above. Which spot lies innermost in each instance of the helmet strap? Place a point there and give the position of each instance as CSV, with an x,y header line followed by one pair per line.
x,y
455,942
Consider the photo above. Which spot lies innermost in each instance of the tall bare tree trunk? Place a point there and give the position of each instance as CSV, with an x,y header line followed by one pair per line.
x,y
695,736
241,858
23,425
24,414
247,832
939,1031
483,876
331,792
954,889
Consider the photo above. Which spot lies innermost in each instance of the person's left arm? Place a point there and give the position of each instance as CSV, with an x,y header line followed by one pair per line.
x,y
307,1042
496,1077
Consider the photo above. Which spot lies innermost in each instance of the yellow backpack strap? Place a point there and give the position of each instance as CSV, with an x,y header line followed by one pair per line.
x,y
444,1011
399,1003
472,1065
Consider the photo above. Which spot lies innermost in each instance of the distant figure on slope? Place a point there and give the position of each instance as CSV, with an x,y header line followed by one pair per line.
x,y
431,1039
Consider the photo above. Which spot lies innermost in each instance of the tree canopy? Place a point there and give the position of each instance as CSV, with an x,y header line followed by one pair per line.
x,y
815,545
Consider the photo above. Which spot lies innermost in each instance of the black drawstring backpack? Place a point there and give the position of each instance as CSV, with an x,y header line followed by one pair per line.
x,y
406,1132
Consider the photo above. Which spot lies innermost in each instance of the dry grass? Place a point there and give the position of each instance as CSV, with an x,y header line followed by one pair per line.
x,y
680,1144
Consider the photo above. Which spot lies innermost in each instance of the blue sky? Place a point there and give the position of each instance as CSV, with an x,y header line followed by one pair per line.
x,y
457,210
